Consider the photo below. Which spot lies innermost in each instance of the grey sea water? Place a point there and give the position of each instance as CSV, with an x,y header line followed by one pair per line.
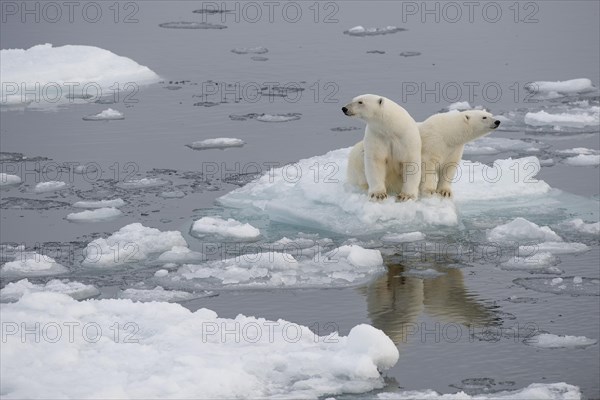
x,y
462,330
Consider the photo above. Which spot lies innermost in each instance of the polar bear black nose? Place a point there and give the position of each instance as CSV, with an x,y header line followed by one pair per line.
x,y
344,110
497,122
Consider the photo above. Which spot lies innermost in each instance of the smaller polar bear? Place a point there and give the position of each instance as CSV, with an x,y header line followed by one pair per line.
x,y
388,160
443,138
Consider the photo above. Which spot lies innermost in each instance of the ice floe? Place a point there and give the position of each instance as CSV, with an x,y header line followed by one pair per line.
x,y
97,215
403,237
574,286
217,143
77,290
554,248
145,350
229,228
160,294
267,117
49,186
541,262
583,160
8,179
551,341
52,68
191,25
30,263
580,226
522,230
362,31
250,50
347,265
132,243
313,193
142,183
549,90
181,255
116,203
488,145
566,119
107,115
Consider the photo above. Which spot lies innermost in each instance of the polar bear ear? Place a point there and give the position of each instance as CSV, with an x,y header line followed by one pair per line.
x,y
467,117
380,101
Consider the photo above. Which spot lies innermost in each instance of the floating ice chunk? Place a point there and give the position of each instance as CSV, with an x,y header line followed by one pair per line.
x,y
173,194
49,186
583,160
267,117
159,294
30,263
218,143
161,273
579,225
250,50
542,262
410,54
132,243
97,215
537,391
568,119
460,106
54,66
229,228
403,237
566,286
579,150
555,248
142,183
344,266
180,254
107,115
423,273
79,291
116,203
8,179
191,25
547,89
550,341
487,145
362,31
521,229
578,280
319,184
176,353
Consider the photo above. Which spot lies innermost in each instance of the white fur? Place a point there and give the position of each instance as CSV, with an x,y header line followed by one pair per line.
x,y
388,160
443,138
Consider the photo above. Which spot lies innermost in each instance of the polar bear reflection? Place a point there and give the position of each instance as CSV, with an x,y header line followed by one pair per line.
x,y
394,303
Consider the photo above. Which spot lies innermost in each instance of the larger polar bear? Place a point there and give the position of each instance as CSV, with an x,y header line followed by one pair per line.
x,y
443,138
388,160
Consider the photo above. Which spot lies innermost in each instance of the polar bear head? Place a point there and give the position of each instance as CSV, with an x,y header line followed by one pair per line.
x,y
366,107
479,122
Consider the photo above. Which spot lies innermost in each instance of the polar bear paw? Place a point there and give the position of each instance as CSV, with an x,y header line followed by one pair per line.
x,y
429,192
446,193
405,197
378,196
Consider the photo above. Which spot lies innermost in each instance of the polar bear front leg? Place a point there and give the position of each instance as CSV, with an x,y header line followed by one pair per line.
x,y
429,176
375,168
411,178
447,172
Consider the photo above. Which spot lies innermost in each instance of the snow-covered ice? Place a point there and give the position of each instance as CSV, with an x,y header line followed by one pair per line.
x,y
535,391
163,350
344,266
359,30
107,115
314,193
48,66
580,226
489,145
77,290
132,243
459,106
551,341
217,143
116,203
229,228
554,248
160,294
583,160
49,186
8,179
181,255
96,215
566,119
541,262
521,230
30,263
549,90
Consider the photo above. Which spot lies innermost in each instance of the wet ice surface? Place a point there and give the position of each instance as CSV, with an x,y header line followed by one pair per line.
x,y
493,307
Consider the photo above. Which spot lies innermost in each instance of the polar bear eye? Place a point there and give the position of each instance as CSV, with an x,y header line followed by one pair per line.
x,y
484,117
360,102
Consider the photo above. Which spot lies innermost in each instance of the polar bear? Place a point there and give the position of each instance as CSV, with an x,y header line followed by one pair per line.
x,y
388,160
443,138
